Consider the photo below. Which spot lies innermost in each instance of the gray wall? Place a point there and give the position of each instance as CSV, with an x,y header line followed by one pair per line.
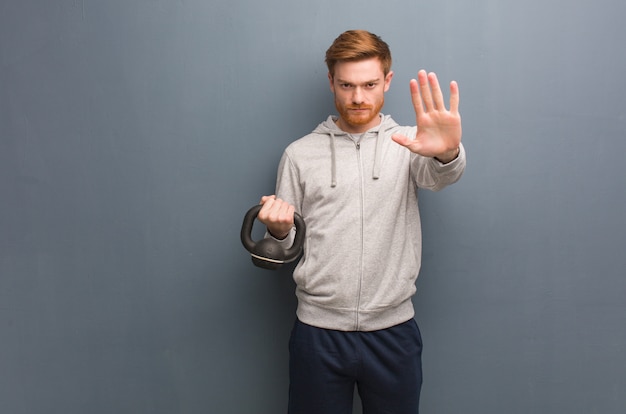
x,y
134,135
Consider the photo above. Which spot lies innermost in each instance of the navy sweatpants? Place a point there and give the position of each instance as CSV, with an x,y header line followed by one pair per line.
x,y
326,365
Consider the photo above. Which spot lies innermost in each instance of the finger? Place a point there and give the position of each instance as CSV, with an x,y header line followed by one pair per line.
x,y
454,97
283,212
278,212
416,97
290,212
266,209
269,213
264,199
436,91
424,89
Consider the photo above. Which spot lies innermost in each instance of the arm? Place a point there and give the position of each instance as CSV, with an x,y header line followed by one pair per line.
x,y
432,174
277,211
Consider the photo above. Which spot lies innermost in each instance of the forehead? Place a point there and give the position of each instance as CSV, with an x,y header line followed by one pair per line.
x,y
359,71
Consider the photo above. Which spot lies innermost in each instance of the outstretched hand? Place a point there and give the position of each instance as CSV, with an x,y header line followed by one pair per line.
x,y
438,129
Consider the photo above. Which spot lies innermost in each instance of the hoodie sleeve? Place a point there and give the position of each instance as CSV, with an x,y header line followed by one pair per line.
x,y
288,183
288,189
434,175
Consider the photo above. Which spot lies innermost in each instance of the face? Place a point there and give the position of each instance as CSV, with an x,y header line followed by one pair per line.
x,y
359,89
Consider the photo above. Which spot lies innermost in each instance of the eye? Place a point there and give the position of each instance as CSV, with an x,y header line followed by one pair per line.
x,y
371,85
345,85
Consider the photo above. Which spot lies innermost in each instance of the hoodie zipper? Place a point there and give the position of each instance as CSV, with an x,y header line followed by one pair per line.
x,y
362,203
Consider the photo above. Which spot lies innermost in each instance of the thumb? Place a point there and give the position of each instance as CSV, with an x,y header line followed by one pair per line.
x,y
402,140
265,199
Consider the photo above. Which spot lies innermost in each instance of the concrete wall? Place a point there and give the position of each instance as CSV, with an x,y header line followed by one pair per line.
x,y
134,135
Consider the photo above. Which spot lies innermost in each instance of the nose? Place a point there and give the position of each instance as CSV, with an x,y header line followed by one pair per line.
x,y
357,96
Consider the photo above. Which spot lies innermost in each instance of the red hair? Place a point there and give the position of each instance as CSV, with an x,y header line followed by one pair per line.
x,y
355,45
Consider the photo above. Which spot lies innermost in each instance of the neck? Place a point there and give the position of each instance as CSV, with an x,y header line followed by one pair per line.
x,y
355,128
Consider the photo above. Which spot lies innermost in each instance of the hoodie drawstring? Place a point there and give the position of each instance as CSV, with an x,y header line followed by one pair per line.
x,y
377,155
333,161
329,127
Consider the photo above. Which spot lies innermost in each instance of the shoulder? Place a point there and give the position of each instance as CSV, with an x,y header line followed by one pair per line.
x,y
307,143
314,140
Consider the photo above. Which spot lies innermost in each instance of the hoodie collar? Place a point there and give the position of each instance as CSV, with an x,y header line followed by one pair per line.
x,y
330,128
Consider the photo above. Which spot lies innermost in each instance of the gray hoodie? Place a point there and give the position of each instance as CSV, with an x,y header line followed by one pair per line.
x,y
358,197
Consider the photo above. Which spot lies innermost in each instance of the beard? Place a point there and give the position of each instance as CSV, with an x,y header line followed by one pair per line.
x,y
358,119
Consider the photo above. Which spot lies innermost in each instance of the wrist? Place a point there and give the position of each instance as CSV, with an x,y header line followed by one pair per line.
x,y
448,156
278,235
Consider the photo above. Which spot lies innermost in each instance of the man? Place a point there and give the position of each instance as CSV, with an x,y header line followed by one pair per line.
x,y
354,180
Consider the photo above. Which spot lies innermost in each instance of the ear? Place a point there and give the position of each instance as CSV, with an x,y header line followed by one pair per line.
x,y
388,80
330,80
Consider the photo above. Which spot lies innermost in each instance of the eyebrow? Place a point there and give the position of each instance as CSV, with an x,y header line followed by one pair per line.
x,y
352,83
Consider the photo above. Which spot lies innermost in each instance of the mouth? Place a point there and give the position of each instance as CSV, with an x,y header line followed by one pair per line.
x,y
359,109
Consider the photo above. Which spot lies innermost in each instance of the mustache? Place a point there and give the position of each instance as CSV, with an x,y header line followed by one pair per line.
x,y
360,107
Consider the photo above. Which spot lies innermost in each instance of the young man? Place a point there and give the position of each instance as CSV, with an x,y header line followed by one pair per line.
x,y
354,179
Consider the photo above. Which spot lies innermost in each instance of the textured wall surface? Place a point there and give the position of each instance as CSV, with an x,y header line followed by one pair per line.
x,y
134,135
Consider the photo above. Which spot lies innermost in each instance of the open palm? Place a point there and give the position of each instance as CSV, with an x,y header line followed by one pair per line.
x,y
438,129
